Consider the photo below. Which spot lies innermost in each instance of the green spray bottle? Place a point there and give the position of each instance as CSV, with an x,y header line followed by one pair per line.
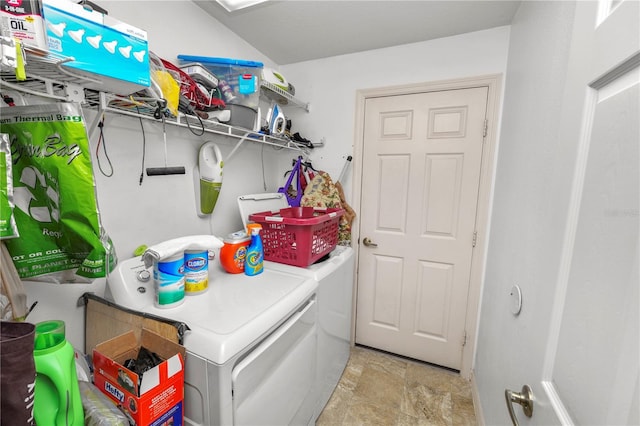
x,y
57,393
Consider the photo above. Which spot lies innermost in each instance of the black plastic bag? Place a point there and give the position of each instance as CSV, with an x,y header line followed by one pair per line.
x,y
17,373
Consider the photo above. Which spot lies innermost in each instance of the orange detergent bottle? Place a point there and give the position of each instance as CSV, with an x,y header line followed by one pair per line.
x,y
234,251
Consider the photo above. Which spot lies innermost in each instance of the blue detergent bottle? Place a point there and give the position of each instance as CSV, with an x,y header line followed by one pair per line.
x,y
254,261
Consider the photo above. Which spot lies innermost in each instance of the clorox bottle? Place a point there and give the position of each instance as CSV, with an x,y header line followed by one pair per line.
x,y
254,262
57,393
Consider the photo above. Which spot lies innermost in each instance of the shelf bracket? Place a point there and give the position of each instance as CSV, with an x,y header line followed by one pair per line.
x,y
235,148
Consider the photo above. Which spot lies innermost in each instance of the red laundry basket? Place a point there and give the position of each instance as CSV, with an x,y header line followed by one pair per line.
x,y
298,236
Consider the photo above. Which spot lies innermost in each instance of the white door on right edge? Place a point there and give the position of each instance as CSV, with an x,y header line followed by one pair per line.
x,y
592,366
422,159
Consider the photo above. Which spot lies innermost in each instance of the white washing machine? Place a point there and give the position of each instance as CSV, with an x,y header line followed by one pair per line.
x,y
252,346
335,277
334,296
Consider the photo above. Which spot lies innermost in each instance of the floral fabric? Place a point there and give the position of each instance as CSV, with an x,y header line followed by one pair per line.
x,y
322,192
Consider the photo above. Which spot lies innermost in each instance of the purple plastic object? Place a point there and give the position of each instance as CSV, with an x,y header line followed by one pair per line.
x,y
293,201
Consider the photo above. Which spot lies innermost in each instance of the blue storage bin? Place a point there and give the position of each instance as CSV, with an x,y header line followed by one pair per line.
x,y
239,80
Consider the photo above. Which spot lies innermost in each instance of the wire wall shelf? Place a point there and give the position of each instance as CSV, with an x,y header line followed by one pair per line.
x,y
280,96
48,78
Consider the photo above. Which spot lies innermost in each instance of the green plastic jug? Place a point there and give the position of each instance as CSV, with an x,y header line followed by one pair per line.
x,y
57,393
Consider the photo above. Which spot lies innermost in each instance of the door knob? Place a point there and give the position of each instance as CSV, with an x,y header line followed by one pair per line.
x,y
367,242
524,398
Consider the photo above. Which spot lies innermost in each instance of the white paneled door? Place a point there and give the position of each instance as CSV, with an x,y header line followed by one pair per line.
x,y
592,369
422,158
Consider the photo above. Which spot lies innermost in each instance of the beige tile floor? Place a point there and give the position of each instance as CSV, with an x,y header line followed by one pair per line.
x,y
377,388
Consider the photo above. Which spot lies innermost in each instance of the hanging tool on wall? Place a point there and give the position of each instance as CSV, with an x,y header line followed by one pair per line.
x,y
349,214
344,168
166,170
210,166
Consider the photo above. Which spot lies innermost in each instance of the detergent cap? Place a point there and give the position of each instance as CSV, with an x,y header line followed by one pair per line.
x,y
253,226
49,334
236,237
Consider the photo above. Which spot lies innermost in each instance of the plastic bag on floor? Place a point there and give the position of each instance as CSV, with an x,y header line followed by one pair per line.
x,y
99,410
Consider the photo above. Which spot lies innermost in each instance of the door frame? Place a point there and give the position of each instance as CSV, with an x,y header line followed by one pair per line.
x,y
485,194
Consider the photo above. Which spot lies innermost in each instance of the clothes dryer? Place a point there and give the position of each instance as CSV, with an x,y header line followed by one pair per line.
x,y
252,344
335,277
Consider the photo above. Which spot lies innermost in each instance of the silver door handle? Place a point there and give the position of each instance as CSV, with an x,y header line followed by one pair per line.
x,y
524,398
367,242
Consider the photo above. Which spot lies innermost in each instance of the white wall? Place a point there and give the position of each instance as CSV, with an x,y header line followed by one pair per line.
x,y
164,206
181,27
530,204
330,84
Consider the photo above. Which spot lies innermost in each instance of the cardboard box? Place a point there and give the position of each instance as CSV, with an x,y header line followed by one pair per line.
x,y
157,398
112,53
